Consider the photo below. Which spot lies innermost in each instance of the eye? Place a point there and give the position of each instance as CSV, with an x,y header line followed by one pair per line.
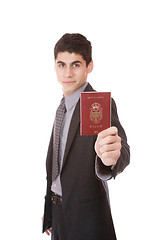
x,y
61,65
76,65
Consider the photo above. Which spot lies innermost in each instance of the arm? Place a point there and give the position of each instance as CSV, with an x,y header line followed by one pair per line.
x,y
112,150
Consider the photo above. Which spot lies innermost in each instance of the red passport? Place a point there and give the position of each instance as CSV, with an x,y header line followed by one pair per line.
x,y
95,112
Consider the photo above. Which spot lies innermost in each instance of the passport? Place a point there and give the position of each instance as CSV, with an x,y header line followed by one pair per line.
x,y
95,112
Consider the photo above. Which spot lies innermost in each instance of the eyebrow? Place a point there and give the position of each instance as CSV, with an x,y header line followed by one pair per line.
x,y
61,62
77,62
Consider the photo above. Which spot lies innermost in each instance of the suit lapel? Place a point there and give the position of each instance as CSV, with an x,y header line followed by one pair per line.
x,y
74,125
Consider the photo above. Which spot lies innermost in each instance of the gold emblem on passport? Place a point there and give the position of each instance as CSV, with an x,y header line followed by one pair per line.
x,y
96,113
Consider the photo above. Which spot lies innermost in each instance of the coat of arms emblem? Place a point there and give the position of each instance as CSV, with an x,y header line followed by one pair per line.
x,y
96,113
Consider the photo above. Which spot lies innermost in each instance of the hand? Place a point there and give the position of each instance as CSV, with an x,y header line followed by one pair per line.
x,y
108,146
48,231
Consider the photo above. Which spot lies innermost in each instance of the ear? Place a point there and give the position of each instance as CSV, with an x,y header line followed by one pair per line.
x,y
90,66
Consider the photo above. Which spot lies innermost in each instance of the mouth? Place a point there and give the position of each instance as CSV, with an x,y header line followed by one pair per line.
x,y
68,82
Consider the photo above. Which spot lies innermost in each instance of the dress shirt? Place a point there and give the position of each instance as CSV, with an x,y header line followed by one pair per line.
x,y
70,102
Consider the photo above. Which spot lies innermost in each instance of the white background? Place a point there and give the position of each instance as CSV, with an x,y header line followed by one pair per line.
x,y
126,51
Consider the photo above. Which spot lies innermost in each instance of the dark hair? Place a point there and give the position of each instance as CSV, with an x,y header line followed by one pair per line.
x,y
74,43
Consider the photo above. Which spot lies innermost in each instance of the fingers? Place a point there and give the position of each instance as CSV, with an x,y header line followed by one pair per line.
x,y
110,158
108,146
49,231
108,132
108,140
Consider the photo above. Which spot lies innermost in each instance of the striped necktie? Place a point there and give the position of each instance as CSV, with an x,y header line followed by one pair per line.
x,y
56,138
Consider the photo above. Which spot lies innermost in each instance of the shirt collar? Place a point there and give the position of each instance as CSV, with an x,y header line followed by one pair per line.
x,y
71,100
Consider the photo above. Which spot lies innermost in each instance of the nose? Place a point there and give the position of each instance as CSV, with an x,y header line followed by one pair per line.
x,y
68,72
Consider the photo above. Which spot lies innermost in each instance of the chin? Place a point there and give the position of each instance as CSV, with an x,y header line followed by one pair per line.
x,y
67,92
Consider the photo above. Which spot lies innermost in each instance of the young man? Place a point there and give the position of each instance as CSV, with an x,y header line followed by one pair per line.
x,y
77,200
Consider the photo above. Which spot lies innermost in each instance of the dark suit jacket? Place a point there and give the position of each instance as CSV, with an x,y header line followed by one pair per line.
x,y
85,204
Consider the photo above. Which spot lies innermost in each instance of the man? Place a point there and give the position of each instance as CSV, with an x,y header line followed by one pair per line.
x,y
77,200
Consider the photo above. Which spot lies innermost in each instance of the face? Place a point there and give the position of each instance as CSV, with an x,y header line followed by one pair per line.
x,y
71,71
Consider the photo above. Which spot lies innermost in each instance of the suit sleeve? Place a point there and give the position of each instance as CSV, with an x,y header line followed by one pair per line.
x,y
107,172
47,220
